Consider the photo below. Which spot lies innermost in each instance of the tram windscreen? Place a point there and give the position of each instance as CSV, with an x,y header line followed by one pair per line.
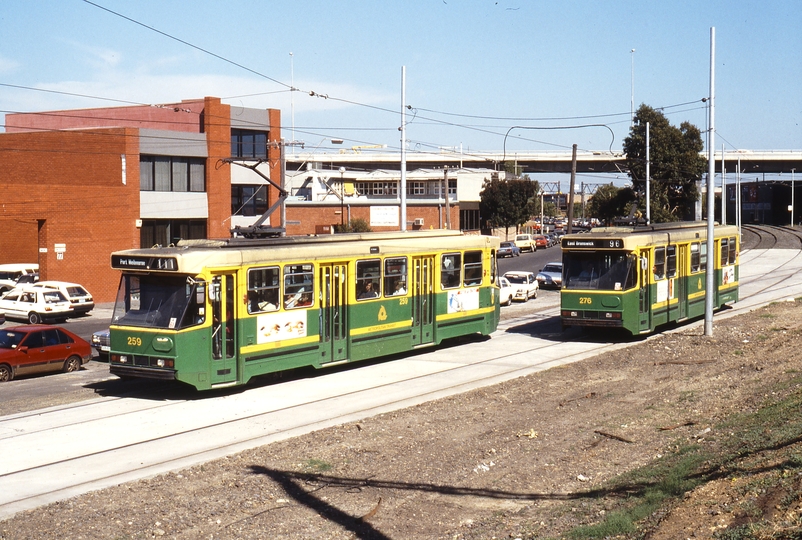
x,y
603,271
158,301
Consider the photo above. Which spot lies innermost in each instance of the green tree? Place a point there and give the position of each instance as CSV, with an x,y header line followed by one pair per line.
x,y
508,203
676,165
610,202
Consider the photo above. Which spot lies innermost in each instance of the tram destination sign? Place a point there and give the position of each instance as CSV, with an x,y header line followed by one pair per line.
x,y
137,262
593,243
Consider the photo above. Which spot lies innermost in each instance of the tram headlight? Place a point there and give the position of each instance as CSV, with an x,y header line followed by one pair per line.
x,y
123,358
164,362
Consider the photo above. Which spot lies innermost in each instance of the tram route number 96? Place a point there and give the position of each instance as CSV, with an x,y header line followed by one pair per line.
x,y
134,341
615,244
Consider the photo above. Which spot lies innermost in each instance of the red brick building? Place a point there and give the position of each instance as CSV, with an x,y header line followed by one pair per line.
x,y
76,185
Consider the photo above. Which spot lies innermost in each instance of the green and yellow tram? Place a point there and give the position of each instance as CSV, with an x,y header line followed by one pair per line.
x,y
214,313
639,278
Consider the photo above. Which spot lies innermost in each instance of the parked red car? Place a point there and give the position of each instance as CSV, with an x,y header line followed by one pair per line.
x,y
541,241
39,348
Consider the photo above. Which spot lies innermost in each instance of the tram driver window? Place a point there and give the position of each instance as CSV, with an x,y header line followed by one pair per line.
x,y
368,282
703,257
263,289
395,276
725,254
659,263
473,268
298,286
450,270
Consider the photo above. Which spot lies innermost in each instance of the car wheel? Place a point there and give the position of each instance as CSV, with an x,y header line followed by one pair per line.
x,y
73,363
509,301
34,318
5,373
535,294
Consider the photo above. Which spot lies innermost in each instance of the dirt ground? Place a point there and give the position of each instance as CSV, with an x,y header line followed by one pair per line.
x,y
529,458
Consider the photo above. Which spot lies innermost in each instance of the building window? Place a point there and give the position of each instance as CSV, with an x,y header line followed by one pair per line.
x,y
248,144
248,200
163,232
469,220
160,173
416,188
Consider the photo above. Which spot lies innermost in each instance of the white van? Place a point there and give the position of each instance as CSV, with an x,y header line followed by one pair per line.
x,y
10,273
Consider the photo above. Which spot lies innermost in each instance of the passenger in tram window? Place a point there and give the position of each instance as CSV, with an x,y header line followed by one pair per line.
x,y
368,291
399,288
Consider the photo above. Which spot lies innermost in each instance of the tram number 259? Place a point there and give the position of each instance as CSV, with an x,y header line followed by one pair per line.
x,y
585,300
134,341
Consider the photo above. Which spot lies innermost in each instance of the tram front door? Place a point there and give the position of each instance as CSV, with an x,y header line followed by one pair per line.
x,y
224,330
333,312
644,297
422,300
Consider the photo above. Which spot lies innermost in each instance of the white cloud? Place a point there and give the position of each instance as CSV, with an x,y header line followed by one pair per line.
x,y
7,65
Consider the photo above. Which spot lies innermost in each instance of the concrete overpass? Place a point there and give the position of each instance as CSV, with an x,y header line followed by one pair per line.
x,y
752,161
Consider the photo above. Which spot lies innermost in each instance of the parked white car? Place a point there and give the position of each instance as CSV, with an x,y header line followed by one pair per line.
x,y
82,302
506,291
35,305
524,283
11,273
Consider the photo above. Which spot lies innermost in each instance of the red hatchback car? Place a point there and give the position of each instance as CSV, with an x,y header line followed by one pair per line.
x,y
39,348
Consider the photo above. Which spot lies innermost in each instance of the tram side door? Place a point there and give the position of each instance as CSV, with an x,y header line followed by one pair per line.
x,y
682,281
644,297
224,329
422,300
333,289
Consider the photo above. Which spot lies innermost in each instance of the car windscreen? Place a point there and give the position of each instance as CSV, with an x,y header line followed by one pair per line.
x,y
552,268
10,340
516,279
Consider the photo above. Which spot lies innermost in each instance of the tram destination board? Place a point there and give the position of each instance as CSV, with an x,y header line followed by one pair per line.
x,y
137,262
593,243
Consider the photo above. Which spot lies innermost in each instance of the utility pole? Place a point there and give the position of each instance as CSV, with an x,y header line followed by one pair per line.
x,y
710,281
571,191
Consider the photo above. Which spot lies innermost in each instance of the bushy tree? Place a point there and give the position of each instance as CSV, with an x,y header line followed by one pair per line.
x,y
610,202
508,203
355,225
676,165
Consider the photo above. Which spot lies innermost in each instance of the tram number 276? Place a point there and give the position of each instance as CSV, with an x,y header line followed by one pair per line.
x,y
585,300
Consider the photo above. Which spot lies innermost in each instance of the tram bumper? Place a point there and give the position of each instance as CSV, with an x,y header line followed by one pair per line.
x,y
607,319
142,373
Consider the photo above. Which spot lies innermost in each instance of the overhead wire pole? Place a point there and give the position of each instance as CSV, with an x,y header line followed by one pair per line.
x,y
710,271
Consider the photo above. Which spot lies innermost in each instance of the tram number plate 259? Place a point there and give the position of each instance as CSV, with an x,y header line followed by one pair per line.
x,y
134,341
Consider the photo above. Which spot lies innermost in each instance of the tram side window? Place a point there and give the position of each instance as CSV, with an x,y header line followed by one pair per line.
x,y
368,282
733,252
450,269
725,251
695,257
703,257
395,276
473,268
659,263
493,266
298,285
263,289
671,261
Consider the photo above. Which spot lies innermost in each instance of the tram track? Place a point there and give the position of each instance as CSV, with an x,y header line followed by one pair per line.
x,y
179,433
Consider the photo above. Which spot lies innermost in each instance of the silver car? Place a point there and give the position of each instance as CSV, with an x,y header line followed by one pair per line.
x,y
551,276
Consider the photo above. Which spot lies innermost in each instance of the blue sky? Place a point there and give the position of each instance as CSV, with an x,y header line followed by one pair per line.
x,y
474,69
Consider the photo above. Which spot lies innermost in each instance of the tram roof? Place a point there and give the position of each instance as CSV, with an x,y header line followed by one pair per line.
x,y
194,255
635,236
